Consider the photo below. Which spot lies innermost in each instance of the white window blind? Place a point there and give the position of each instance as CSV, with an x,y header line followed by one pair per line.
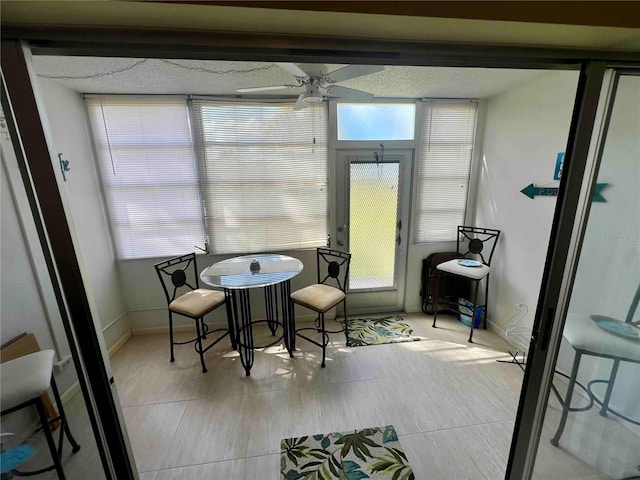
x,y
448,130
263,174
149,173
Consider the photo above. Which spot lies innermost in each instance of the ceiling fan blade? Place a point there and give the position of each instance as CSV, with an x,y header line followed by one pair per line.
x,y
349,93
293,69
300,104
265,89
352,71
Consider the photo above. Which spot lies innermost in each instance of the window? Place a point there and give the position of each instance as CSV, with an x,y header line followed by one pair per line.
x,y
149,174
263,175
446,148
257,183
380,121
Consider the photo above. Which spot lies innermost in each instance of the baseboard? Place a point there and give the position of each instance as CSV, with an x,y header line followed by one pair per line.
x,y
156,330
213,325
71,392
119,343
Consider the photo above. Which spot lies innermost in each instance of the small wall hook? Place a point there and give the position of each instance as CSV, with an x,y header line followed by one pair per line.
x,y
64,166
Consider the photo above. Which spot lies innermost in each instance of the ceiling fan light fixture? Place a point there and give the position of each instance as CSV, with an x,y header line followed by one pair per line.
x,y
312,95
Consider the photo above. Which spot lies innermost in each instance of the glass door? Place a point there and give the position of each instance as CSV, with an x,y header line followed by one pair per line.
x,y
372,225
589,423
593,412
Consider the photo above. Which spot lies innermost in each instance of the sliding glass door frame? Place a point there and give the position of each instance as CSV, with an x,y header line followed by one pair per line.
x,y
586,141
147,43
566,236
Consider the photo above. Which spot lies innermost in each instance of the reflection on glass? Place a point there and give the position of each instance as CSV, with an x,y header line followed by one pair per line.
x,y
598,366
31,325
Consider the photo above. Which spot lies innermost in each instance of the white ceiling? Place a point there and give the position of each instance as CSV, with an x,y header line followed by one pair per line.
x,y
154,76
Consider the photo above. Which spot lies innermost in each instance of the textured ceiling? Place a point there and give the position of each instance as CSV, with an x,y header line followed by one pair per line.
x,y
153,76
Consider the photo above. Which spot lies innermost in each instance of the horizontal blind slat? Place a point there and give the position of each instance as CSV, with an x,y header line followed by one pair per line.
x,y
149,173
448,131
263,174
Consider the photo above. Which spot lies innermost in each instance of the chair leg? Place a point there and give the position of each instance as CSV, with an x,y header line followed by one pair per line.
x,y
566,406
346,321
324,339
473,312
486,302
63,418
436,293
292,329
607,395
47,433
199,344
171,335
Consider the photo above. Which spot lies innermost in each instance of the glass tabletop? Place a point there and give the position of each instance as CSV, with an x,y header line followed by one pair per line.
x,y
251,271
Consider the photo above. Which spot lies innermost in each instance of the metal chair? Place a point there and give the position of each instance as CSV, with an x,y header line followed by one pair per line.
x,y
587,338
24,381
480,244
331,289
194,304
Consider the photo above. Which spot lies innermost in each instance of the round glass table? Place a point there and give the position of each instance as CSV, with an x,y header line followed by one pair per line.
x,y
237,276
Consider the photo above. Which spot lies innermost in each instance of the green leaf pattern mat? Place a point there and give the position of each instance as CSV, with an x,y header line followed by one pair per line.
x,y
368,453
376,331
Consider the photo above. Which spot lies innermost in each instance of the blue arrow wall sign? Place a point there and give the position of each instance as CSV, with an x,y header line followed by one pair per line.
x,y
533,191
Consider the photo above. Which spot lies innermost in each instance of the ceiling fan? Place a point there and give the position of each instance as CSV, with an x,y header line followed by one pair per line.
x,y
318,82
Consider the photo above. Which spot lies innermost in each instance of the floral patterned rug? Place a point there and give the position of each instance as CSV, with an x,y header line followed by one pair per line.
x,y
368,453
376,331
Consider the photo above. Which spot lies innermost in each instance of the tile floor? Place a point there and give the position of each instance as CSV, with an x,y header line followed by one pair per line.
x,y
451,403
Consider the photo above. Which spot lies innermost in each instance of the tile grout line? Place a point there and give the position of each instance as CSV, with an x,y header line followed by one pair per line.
x,y
426,432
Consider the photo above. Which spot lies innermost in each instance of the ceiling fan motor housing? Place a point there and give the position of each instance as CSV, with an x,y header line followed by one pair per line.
x,y
312,94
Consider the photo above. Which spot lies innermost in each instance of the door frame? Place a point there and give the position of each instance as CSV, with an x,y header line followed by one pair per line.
x,y
363,301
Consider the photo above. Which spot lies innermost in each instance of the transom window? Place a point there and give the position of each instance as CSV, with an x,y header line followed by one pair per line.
x,y
376,121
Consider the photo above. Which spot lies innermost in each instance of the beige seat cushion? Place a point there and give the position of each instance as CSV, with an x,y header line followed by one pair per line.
x,y
25,378
318,297
197,303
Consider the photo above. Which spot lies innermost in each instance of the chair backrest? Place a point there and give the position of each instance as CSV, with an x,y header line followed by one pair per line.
x,y
174,274
477,241
333,268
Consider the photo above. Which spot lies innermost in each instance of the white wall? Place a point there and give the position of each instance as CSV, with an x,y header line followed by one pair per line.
x,y
525,129
66,114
